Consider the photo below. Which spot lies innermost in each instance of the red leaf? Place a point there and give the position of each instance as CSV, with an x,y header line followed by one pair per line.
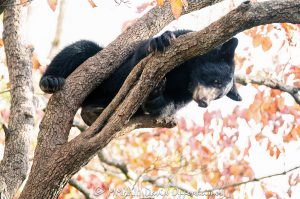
x,y
249,69
92,3
52,4
256,40
287,27
266,43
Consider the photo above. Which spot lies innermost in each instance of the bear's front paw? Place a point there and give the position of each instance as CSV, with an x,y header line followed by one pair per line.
x,y
166,121
162,42
50,84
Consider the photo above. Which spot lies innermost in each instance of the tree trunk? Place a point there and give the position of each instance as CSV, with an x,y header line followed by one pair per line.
x,y
15,163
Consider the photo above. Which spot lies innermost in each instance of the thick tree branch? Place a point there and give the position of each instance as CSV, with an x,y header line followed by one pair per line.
x,y
14,165
272,83
147,122
10,3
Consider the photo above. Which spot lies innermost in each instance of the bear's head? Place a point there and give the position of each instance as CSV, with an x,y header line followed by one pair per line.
x,y
214,76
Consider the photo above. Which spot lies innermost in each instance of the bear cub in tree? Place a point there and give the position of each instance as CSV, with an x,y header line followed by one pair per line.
x,y
202,79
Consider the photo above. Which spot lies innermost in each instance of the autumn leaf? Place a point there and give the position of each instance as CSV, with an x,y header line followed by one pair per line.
x,y
92,3
52,4
160,2
266,43
256,40
277,153
176,6
287,27
268,194
216,178
249,69
35,61
270,27
235,170
23,1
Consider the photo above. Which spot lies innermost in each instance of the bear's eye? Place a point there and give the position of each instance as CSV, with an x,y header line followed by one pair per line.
x,y
217,83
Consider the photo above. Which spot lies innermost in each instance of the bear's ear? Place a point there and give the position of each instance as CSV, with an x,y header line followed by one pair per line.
x,y
228,48
233,93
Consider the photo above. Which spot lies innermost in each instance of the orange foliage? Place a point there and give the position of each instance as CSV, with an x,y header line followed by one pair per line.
x,y
52,4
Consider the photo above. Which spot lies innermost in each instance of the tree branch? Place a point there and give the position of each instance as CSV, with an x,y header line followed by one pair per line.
x,y
155,182
252,180
120,165
123,168
272,83
147,122
5,91
15,163
80,188
59,27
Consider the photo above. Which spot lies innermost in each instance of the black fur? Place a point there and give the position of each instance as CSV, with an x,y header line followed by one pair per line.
x,y
213,70
65,62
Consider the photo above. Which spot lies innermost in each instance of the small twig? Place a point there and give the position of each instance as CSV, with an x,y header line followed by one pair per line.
x,y
80,127
124,170
5,91
272,83
252,180
120,165
119,2
6,132
59,27
171,184
80,188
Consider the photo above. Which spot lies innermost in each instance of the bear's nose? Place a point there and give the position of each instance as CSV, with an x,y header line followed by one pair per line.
x,y
202,104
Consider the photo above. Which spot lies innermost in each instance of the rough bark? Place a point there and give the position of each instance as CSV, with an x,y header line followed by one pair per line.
x,y
3,5
56,160
14,165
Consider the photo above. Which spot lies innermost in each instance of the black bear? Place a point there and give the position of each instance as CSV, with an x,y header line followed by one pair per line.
x,y
202,79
